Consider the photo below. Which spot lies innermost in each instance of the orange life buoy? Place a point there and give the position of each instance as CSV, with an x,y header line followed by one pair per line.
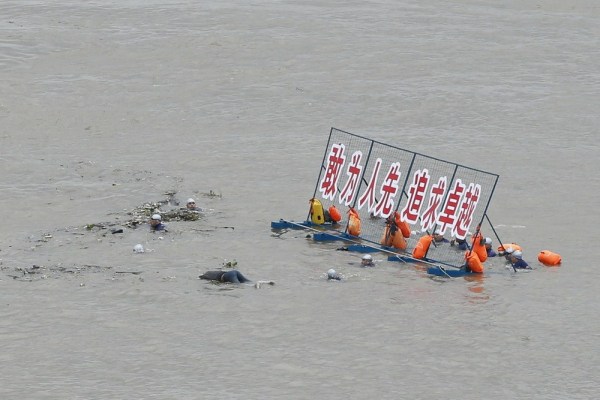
x,y
353,222
422,247
335,214
474,262
549,258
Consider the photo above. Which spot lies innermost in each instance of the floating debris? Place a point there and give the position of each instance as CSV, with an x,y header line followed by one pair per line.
x,y
260,283
39,272
212,194
181,215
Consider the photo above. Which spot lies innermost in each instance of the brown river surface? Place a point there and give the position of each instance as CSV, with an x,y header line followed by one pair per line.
x,y
107,105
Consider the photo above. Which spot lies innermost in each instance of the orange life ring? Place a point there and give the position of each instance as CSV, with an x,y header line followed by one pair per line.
x,y
335,214
422,247
474,262
549,258
504,246
353,222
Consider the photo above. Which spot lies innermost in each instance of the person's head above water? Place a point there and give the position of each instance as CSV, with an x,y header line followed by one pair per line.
x,y
191,203
437,235
331,274
366,260
155,220
487,242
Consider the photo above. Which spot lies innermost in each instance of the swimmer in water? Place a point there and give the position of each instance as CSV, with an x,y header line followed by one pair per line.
x,y
367,261
231,276
156,223
488,247
191,205
461,244
438,237
332,275
516,259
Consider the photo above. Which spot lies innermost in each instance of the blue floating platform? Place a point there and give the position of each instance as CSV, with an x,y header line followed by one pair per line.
x,y
327,237
399,258
453,273
361,248
283,224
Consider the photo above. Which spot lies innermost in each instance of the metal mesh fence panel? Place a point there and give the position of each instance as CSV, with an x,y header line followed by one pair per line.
x,y
378,181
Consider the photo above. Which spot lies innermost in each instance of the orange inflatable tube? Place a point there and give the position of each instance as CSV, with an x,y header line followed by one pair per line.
x,y
402,225
404,228
335,214
399,242
422,247
474,262
504,246
479,248
395,240
353,222
386,238
549,258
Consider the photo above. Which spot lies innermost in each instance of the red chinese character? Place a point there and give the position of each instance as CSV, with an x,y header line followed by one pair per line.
x,y
388,191
369,194
435,200
467,208
354,173
447,217
329,182
416,191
